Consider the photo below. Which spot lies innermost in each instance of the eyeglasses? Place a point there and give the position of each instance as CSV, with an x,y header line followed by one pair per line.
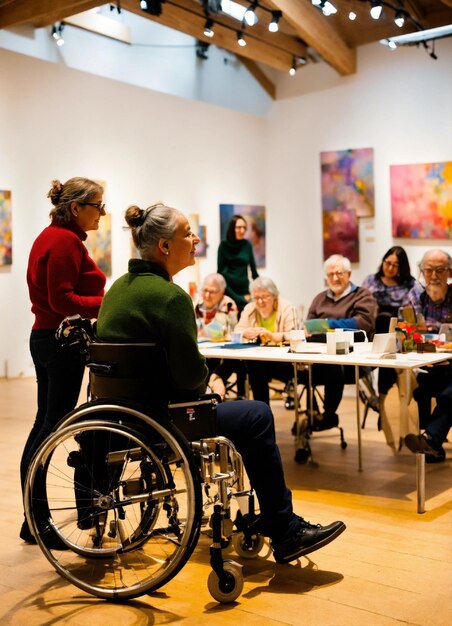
x,y
97,205
389,264
333,274
428,271
265,298
240,228
210,292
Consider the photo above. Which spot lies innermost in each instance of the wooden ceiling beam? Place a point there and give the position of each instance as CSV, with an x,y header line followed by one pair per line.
x,y
313,27
192,24
42,12
281,40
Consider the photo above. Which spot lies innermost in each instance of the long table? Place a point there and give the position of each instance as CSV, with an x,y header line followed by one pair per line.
x,y
361,356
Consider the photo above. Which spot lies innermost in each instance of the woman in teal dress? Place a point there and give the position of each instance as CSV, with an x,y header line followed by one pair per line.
x,y
235,260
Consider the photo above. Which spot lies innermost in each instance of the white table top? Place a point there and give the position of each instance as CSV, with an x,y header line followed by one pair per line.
x,y
362,355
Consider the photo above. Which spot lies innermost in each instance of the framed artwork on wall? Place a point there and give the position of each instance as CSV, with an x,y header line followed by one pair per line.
x,y
201,231
98,243
6,228
347,194
421,200
255,218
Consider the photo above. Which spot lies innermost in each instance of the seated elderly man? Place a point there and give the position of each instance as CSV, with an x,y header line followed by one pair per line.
x,y
214,307
433,307
341,305
268,318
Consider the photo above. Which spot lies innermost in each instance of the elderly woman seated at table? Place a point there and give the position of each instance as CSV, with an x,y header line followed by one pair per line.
x,y
215,312
268,318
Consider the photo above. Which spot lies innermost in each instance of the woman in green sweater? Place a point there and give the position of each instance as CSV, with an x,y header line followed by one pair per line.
x,y
235,256
145,305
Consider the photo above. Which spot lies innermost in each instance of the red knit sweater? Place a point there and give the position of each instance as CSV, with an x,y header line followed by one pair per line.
x,y
62,278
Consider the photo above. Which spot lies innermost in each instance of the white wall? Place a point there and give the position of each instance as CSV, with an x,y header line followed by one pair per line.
x,y
56,123
400,104
159,58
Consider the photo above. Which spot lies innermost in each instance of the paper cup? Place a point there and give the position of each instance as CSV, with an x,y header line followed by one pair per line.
x,y
297,340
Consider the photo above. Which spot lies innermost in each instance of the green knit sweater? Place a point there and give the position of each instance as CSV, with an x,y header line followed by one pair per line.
x,y
145,306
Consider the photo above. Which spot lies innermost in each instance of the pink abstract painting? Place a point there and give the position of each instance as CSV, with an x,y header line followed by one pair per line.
x,y
347,195
421,200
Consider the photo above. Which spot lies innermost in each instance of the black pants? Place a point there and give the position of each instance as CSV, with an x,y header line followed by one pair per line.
x,y
333,377
250,426
432,384
59,374
262,372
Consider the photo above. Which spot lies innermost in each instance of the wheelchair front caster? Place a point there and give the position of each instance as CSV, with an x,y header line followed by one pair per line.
x,y
229,585
302,455
247,550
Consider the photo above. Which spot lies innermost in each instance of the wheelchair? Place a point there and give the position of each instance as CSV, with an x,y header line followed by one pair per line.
x,y
116,495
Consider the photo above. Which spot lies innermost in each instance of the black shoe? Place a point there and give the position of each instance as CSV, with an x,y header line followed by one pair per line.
x,y
439,458
308,538
25,534
325,422
423,445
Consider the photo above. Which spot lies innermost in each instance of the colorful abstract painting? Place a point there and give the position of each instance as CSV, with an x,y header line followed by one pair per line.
x,y
6,229
421,200
347,194
99,244
201,231
255,218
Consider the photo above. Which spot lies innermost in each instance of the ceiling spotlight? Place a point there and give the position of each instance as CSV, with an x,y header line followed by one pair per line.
x,y
201,50
352,16
240,40
392,44
273,27
399,19
376,9
293,69
316,3
154,7
328,8
250,16
208,29
57,34
302,60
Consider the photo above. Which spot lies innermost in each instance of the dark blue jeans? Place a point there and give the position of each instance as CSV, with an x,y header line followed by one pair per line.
x,y
250,426
59,374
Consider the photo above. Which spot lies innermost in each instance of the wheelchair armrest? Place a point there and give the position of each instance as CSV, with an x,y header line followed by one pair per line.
x,y
101,368
210,396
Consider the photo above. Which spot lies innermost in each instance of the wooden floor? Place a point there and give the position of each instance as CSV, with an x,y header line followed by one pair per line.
x,y
391,566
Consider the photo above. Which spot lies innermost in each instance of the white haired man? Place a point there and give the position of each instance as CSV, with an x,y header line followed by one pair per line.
x,y
341,305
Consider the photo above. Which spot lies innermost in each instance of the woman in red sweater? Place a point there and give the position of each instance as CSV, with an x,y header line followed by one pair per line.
x,y
62,280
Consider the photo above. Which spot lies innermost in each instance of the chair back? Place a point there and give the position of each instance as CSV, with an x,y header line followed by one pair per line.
x,y
130,371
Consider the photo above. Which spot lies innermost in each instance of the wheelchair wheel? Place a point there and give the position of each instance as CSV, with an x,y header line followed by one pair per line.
x,y
229,586
114,500
245,550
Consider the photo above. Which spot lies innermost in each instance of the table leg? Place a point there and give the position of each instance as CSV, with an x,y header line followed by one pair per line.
x,y
296,405
358,420
420,482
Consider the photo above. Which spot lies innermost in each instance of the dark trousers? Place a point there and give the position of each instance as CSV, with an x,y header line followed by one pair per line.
x,y
59,374
441,418
250,426
333,377
434,384
262,372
